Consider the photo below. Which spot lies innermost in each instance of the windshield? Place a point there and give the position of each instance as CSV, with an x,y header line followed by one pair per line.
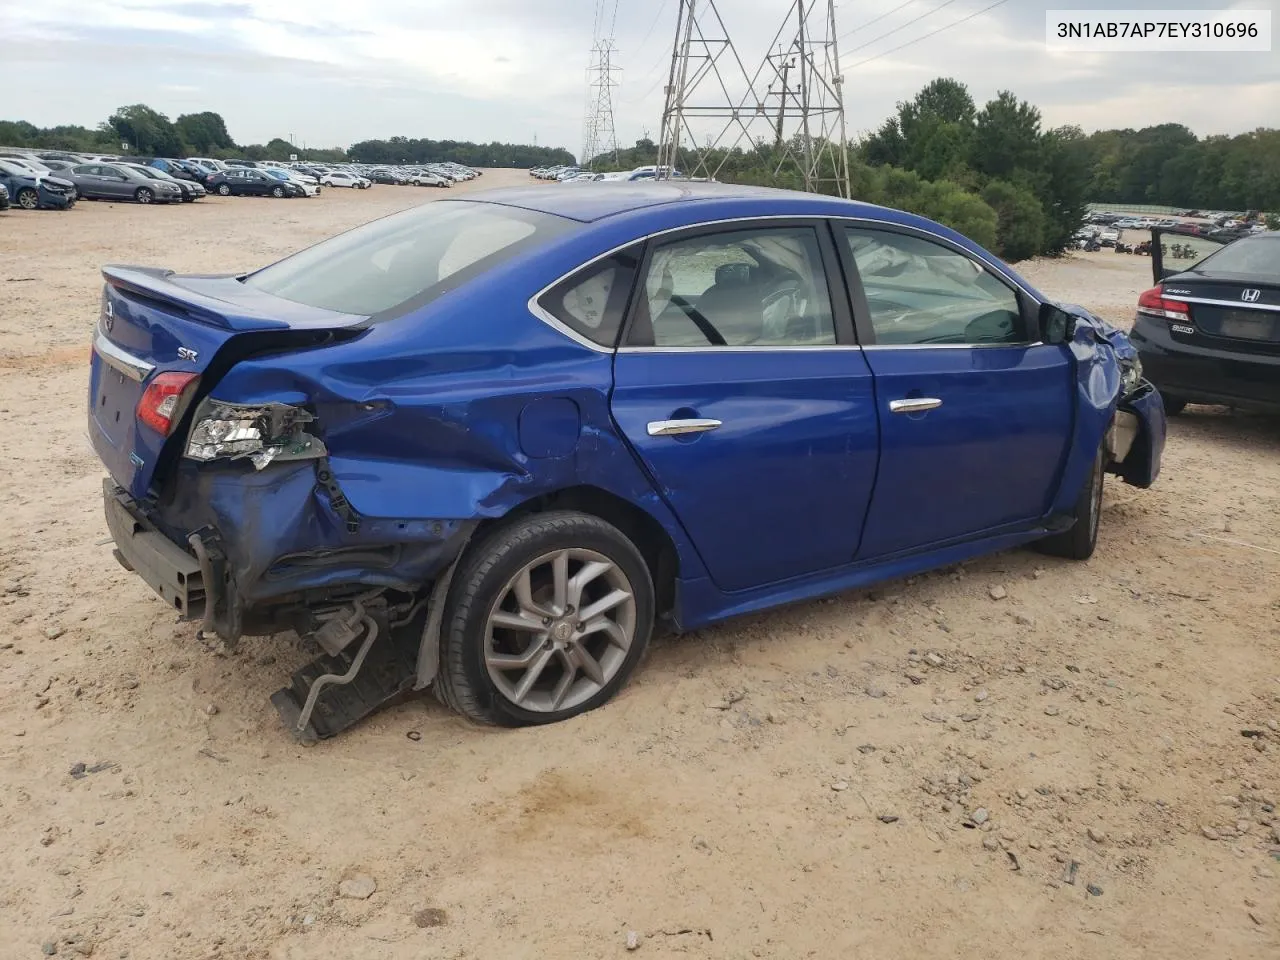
x,y
415,255
1252,256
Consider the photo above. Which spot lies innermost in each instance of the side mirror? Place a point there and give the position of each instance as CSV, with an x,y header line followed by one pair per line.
x,y
1056,325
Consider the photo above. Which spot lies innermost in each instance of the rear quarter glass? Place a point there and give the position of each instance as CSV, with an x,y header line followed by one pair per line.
x,y
388,267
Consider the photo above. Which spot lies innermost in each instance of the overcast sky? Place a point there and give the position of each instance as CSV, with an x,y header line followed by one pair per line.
x,y
331,72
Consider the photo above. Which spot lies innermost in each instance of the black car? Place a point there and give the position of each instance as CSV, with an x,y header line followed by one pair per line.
x,y
4,197
245,181
1209,331
386,176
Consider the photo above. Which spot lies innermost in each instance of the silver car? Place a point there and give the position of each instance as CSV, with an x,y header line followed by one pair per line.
x,y
118,181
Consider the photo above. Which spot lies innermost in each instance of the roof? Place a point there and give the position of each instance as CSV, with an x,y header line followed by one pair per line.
x,y
594,201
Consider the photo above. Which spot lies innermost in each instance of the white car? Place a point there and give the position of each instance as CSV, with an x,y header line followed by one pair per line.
x,y
425,179
340,178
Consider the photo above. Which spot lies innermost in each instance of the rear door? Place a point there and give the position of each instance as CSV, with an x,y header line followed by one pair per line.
x,y
742,392
975,415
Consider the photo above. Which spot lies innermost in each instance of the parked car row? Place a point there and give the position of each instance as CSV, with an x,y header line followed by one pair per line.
x,y
56,179
574,174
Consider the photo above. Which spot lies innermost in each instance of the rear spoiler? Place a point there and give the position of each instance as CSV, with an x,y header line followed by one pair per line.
x,y
222,300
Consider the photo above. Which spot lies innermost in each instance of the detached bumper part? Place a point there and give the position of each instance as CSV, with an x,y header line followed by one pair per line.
x,y
332,693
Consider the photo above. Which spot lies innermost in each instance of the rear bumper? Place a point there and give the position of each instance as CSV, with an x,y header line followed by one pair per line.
x,y
171,571
1207,374
245,551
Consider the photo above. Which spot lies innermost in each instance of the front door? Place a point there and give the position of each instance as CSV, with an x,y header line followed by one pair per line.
x,y
975,415
741,391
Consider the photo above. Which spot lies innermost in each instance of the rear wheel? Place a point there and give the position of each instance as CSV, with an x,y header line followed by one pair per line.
x,y
144,195
28,198
546,619
1079,542
224,190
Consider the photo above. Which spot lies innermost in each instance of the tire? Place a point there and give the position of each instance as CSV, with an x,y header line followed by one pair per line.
x,y
143,195
1079,542
487,585
278,192
28,198
188,199
1173,404
224,190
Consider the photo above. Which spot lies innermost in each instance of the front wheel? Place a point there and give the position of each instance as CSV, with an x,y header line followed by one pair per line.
x,y
144,195
278,192
546,619
28,198
1079,542
1173,405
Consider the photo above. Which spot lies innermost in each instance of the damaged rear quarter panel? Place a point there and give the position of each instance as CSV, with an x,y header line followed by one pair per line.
x,y
428,418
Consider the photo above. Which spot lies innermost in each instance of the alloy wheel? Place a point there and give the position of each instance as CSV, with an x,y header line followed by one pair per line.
x,y
28,199
560,630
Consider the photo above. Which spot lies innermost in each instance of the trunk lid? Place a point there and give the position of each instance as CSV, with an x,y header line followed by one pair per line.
x,y
154,322
1231,314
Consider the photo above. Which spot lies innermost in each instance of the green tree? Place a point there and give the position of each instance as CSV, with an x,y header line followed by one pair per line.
x,y
1007,138
279,149
145,130
204,132
1020,220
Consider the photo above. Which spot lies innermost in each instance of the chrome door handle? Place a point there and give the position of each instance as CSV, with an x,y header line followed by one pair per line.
x,y
674,428
914,405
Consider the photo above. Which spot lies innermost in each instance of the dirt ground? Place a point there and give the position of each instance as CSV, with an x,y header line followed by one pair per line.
x,y
905,772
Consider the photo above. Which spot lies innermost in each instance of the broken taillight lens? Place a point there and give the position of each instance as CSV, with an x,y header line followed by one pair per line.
x,y
1155,303
160,406
261,432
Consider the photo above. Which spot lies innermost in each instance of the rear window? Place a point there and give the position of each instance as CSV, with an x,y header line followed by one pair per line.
x,y
1251,257
406,259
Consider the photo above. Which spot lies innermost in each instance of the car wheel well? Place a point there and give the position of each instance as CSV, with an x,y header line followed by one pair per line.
x,y
637,525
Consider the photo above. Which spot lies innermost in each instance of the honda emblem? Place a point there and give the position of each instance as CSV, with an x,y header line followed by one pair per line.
x,y
1250,296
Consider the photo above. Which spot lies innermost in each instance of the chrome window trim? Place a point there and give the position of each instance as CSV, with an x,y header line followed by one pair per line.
x,y
546,317
1233,304
135,368
953,346
745,348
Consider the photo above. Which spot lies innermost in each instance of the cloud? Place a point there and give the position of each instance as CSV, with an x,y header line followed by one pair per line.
x,y
333,71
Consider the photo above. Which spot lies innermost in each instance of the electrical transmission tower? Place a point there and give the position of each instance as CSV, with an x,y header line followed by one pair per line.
x,y
792,100
599,134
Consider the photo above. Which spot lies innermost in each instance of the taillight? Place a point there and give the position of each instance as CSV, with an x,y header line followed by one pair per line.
x,y
1154,302
161,403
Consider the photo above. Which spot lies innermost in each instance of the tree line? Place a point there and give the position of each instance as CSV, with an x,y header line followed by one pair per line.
x,y
149,132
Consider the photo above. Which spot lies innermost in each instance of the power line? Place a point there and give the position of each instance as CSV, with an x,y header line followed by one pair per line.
x,y
931,33
888,13
890,33
656,17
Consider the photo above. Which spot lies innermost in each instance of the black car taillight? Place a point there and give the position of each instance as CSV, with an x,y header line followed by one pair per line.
x,y
1155,303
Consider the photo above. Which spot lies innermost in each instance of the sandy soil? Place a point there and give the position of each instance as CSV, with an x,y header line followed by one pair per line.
x,y
729,804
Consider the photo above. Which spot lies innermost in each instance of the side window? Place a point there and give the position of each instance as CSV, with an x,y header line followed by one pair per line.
x,y
920,292
760,287
593,301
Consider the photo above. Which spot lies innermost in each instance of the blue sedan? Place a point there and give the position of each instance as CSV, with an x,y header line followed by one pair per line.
x,y
487,445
